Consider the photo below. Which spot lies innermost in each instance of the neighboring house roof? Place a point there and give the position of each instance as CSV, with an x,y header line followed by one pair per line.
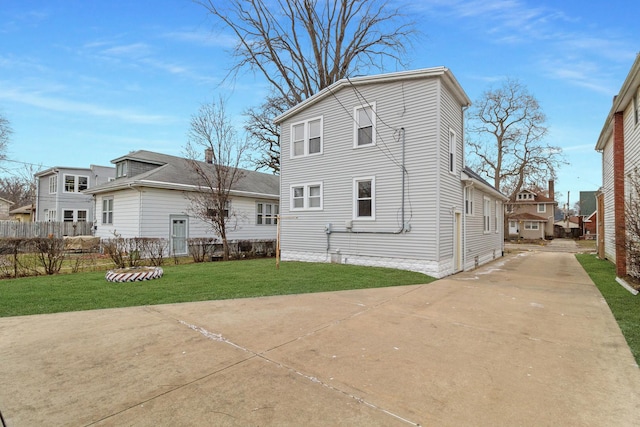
x,y
526,216
621,102
443,72
567,224
176,173
9,202
469,175
26,209
57,169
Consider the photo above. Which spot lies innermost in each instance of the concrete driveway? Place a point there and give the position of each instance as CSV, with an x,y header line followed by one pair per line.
x,y
525,341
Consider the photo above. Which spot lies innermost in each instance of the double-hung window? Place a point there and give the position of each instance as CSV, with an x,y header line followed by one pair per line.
x,y
53,184
306,197
213,212
364,203
121,169
468,200
486,211
452,151
306,138
75,184
107,210
542,208
365,125
266,213
531,225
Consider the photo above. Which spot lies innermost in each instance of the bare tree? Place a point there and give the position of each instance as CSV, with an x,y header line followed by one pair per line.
x,y
303,46
19,186
211,133
5,133
506,128
632,224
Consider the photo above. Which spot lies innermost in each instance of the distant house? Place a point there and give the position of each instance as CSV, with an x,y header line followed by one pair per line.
x,y
5,207
619,143
24,213
372,173
59,192
150,198
590,223
530,215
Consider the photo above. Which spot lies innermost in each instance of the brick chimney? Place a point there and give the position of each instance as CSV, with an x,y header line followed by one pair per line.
x,y
208,155
551,190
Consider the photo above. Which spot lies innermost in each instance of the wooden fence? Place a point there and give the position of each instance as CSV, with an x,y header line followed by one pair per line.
x,y
44,229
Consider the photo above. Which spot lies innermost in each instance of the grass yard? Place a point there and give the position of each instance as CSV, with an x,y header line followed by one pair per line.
x,y
624,306
192,282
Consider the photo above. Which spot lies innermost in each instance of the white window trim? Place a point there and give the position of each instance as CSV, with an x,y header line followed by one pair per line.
x,y
468,200
53,183
453,141
497,216
356,125
102,211
306,188
76,182
273,216
306,138
533,225
486,214
544,208
373,199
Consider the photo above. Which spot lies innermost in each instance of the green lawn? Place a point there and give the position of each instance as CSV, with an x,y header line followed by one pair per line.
x,y
624,306
192,282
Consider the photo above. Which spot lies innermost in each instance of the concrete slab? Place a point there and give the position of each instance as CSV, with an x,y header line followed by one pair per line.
x,y
526,340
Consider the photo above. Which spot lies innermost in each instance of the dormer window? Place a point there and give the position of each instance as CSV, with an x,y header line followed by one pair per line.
x,y
121,169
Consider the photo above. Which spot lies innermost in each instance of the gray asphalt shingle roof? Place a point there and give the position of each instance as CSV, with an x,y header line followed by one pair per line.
x,y
173,171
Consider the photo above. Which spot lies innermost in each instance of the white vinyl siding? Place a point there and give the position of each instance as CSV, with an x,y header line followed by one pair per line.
x,y
307,138
364,125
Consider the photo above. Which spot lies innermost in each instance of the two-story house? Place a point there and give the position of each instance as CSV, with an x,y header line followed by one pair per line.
x,y
619,143
59,196
150,197
372,173
530,215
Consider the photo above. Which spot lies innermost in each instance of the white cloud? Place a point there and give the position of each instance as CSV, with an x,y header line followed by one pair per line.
x,y
36,99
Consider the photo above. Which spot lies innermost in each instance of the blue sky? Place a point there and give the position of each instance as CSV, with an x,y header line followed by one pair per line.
x,y
86,81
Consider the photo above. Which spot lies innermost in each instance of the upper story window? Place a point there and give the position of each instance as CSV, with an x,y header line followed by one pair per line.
x,y
364,206
306,138
636,107
452,151
365,125
542,208
53,184
266,213
75,183
306,197
468,200
121,169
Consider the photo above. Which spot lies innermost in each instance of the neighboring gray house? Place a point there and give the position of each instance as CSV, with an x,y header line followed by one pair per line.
x,y
59,196
372,173
150,198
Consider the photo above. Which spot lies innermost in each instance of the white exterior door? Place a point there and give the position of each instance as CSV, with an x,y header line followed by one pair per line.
x,y
179,235
513,227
